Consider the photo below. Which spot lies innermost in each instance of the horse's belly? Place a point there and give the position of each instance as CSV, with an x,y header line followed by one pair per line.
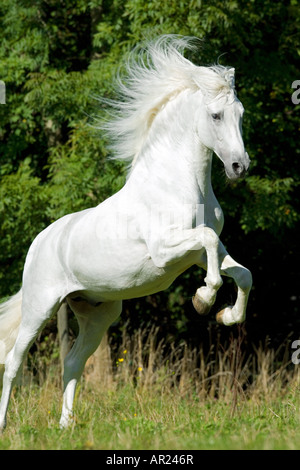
x,y
125,272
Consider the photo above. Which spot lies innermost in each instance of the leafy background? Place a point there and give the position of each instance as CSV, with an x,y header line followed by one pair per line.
x,y
56,57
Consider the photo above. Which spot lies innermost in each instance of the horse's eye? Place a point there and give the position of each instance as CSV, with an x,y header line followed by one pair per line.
x,y
216,116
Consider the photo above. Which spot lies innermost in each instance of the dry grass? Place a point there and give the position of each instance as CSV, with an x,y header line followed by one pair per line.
x,y
147,394
228,373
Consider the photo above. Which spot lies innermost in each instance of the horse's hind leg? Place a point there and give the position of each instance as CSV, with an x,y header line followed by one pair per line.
x,y
30,326
93,323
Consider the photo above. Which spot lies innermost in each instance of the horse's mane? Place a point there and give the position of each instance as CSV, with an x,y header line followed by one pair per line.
x,y
155,74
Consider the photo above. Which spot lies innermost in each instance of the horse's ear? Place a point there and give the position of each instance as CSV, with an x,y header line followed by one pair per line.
x,y
229,77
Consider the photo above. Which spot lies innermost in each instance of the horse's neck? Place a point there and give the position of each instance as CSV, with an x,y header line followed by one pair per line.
x,y
203,171
174,158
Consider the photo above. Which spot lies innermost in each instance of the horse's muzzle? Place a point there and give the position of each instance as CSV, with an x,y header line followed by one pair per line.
x,y
239,168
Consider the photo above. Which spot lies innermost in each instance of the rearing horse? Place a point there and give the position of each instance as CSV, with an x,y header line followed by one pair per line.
x,y
166,218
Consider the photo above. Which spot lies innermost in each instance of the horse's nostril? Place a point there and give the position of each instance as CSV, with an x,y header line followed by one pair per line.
x,y
238,168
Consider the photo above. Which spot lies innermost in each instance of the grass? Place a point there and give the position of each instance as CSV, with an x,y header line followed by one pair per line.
x,y
143,398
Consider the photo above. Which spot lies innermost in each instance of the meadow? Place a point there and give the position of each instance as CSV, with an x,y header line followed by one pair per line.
x,y
143,397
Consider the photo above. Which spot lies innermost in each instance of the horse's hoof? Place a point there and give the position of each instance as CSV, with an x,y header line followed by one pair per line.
x,y
228,316
200,306
219,316
2,426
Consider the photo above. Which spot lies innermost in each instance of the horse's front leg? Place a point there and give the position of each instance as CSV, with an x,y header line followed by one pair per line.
x,y
206,295
243,279
167,250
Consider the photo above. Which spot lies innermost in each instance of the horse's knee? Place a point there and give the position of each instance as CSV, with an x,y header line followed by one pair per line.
x,y
245,279
210,238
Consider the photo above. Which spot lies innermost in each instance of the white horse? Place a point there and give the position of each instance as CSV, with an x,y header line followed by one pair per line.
x,y
166,218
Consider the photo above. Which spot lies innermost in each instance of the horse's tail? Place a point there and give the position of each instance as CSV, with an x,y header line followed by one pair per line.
x,y
10,319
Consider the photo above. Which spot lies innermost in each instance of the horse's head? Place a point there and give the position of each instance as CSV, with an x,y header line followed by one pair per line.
x,y
220,129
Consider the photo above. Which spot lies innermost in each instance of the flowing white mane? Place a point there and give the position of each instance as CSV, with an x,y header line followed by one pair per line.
x,y
153,76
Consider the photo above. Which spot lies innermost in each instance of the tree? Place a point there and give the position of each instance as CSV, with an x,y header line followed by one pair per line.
x,y
56,57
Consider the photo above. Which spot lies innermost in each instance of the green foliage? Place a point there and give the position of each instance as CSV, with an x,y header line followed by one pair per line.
x,y
79,174
268,204
56,57
22,216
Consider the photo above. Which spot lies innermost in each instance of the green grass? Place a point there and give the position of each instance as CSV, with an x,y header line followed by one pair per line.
x,y
140,418
144,399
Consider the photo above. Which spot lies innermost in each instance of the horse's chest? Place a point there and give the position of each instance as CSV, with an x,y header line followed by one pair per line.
x,y
217,220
